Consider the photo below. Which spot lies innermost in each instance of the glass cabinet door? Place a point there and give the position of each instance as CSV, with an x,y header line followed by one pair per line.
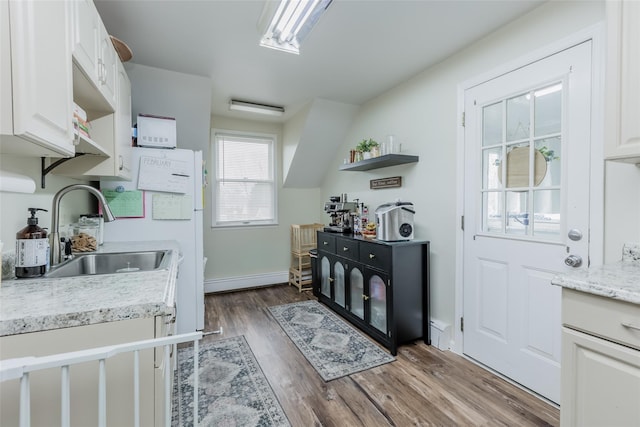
x,y
338,283
378,303
356,292
325,277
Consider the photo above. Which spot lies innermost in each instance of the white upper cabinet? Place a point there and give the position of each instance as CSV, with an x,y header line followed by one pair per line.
x,y
113,131
85,24
36,83
123,141
108,62
55,53
622,120
93,52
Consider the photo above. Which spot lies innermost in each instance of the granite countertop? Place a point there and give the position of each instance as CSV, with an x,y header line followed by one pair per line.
x,y
39,304
620,280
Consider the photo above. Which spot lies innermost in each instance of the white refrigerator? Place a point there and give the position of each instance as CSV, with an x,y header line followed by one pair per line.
x,y
164,201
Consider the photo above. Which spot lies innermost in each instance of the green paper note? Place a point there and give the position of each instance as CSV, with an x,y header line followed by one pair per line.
x,y
126,204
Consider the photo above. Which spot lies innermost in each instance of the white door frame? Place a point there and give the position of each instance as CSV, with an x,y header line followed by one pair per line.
x,y
594,33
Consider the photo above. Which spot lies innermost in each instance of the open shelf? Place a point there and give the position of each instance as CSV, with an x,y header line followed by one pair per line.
x,y
89,146
379,162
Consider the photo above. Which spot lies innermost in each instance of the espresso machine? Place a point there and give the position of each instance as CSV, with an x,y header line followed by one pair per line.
x,y
340,212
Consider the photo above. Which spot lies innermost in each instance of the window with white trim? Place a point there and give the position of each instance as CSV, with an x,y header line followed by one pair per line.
x,y
244,190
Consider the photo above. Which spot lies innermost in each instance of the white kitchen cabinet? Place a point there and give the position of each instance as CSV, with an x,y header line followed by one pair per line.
x,y
45,385
600,361
111,131
92,49
108,62
165,327
122,127
622,126
36,80
85,24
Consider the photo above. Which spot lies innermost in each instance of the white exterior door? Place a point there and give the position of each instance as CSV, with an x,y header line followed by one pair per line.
x,y
526,211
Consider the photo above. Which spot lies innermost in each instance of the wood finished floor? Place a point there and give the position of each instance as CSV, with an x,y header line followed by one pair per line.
x,y
423,387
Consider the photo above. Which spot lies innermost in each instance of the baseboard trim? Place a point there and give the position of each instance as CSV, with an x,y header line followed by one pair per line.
x,y
245,282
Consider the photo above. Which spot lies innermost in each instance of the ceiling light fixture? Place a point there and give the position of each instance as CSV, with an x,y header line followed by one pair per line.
x,y
286,28
253,107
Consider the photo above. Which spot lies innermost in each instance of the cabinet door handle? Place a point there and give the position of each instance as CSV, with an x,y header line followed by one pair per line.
x,y
325,243
364,297
630,326
330,280
345,249
371,256
101,78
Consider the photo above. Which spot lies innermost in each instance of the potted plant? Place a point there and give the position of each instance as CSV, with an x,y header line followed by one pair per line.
x,y
365,146
548,154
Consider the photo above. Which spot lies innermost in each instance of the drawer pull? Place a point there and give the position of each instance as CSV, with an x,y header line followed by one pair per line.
x,y
371,256
630,326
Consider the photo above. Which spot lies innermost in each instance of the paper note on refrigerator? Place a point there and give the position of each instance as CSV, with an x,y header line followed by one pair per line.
x,y
162,174
125,204
171,206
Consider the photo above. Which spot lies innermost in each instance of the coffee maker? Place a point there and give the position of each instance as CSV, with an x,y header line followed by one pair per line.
x,y
340,212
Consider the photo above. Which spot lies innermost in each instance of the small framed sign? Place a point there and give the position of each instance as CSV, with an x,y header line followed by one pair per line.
x,y
394,181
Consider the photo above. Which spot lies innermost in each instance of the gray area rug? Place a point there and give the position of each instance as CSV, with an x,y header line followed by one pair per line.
x,y
233,390
332,346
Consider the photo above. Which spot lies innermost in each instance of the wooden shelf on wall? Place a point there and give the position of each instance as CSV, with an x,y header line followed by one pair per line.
x,y
379,162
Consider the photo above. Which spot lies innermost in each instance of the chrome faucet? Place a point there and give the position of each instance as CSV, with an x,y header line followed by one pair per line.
x,y
54,236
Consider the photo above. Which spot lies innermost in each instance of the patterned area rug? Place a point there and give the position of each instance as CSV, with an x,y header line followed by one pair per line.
x,y
233,390
333,347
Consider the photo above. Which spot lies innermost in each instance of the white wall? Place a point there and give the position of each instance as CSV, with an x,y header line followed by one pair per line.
x,y
185,97
291,134
422,113
235,253
13,206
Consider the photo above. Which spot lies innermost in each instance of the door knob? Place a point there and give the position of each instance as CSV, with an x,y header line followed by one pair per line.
x,y
573,261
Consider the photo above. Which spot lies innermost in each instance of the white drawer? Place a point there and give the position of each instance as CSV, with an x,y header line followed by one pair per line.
x,y
612,319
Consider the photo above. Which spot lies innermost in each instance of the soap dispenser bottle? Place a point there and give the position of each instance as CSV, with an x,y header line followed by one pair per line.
x,y
32,248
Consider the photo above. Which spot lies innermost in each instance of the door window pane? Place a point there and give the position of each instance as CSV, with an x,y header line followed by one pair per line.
x,y
378,303
548,110
517,212
492,124
491,168
518,166
338,283
356,287
492,211
518,118
551,148
546,205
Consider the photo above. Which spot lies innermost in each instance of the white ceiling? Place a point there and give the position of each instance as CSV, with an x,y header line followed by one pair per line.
x,y
358,50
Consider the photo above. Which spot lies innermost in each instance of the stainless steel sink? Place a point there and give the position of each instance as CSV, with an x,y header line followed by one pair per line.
x,y
109,263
